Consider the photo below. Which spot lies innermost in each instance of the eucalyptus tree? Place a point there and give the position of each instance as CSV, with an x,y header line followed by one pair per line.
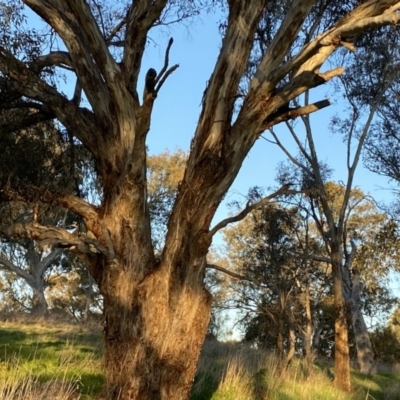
x,y
156,309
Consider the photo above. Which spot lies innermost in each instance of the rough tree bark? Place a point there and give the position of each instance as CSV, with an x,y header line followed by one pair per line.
x,y
156,311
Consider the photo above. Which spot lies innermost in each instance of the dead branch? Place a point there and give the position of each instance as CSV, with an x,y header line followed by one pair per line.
x,y
292,113
164,78
166,60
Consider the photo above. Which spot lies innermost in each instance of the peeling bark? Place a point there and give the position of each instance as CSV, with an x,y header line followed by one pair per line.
x,y
156,312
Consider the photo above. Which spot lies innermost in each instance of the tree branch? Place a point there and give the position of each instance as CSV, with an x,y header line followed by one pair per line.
x,y
19,119
232,274
17,270
141,16
166,75
55,236
54,58
48,260
166,60
277,50
71,116
63,18
249,208
73,203
94,39
292,113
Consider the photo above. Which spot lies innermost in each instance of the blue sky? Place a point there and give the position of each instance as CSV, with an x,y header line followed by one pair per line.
x,y
177,109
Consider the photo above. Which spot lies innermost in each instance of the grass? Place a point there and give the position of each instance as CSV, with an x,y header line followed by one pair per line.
x,y
56,361
52,360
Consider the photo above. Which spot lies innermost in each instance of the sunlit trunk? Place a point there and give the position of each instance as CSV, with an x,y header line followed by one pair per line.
x,y
153,335
342,357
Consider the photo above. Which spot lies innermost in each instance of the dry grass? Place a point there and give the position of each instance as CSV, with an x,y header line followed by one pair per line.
x,y
62,361
231,372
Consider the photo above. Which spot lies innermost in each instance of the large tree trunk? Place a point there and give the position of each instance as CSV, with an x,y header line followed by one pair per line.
x,y
342,357
153,335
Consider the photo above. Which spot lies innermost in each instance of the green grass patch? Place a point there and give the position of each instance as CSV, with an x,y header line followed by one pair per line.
x,y
41,360
33,354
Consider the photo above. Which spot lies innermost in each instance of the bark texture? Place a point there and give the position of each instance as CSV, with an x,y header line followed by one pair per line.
x,y
156,311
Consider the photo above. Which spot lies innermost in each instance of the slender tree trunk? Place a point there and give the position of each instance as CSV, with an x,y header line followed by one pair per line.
x,y
365,355
342,357
153,335
308,330
316,340
279,344
291,344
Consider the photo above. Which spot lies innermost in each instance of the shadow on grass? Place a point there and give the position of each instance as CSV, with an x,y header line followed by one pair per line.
x,y
43,354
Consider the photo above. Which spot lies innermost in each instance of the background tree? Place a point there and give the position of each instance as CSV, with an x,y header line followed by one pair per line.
x,y
156,310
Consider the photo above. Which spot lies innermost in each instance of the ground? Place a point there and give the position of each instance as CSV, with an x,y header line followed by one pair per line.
x,y
57,360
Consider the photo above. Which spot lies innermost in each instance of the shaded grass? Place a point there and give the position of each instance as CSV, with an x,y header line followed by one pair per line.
x,y
33,353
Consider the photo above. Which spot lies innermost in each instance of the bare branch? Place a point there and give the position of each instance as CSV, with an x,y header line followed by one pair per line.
x,y
115,30
314,54
93,39
166,59
232,274
77,97
288,154
249,208
293,113
46,261
54,58
164,78
277,50
17,270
